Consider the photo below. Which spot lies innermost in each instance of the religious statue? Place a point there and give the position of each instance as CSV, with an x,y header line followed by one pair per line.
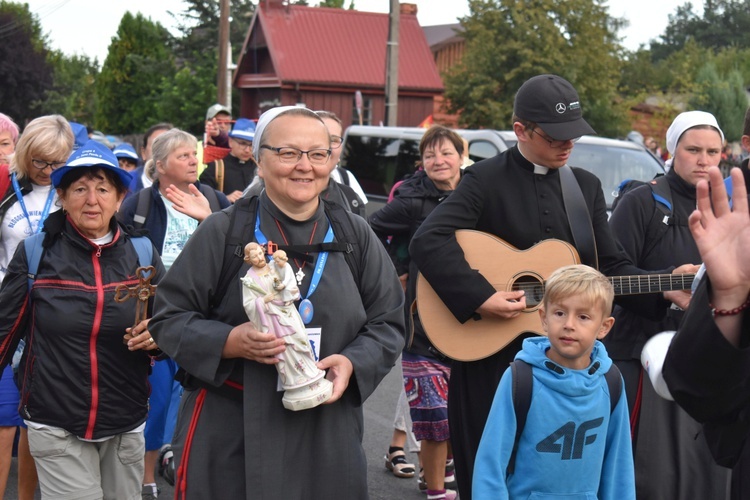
x,y
268,294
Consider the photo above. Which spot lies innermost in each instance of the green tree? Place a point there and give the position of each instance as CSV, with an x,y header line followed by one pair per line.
x,y
73,92
509,41
128,87
193,90
724,97
336,4
724,23
23,62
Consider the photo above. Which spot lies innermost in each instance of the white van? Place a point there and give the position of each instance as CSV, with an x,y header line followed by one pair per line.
x,y
381,156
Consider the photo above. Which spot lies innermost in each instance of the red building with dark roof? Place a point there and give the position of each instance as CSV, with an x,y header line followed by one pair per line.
x,y
320,57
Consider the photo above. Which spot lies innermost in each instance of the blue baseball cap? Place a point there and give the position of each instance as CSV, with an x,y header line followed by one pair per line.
x,y
243,129
80,134
91,154
125,150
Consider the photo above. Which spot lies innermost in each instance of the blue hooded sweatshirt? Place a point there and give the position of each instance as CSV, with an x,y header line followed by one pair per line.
x,y
571,446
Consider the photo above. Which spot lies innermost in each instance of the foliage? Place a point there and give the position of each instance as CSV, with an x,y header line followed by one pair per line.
x,y
724,97
139,58
73,92
725,23
23,62
194,88
336,4
509,41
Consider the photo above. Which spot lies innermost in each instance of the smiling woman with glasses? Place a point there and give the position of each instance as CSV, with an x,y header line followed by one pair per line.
x,y
353,315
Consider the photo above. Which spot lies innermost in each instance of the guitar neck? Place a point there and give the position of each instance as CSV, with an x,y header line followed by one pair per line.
x,y
651,283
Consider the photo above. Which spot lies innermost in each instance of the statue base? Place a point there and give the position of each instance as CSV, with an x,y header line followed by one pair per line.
x,y
308,395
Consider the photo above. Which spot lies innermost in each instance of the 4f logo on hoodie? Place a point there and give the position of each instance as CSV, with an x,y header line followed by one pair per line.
x,y
569,441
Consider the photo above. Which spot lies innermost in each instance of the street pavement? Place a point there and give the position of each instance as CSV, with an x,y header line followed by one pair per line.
x,y
379,411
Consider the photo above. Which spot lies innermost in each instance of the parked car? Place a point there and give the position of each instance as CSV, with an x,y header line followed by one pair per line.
x,y
380,156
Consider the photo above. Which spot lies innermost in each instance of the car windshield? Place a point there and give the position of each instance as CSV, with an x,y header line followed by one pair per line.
x,y
613,164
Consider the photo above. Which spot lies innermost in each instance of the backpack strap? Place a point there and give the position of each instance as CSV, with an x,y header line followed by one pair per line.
x,y
345,234
219,174
210,194
142,208
522,388
34,250
728,186
614,382
354,203
240,232
662,217
145,250
344,173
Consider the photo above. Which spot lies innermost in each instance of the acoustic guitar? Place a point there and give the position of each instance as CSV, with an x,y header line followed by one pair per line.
x,y
508,269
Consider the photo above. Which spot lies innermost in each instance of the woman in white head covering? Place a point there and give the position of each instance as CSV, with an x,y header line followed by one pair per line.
x,y
651,223
234,438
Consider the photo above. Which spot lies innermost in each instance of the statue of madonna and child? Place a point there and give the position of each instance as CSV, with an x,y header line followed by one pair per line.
x,y
268,295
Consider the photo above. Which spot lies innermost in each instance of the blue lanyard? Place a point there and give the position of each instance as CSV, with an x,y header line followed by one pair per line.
x,y
47,205
320,262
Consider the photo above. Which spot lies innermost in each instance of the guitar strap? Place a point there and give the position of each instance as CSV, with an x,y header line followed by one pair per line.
x,y
578,217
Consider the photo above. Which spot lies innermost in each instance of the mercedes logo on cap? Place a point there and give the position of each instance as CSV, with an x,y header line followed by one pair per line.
x,y
560,108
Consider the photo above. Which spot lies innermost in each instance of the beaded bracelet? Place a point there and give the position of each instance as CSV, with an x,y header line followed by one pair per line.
x,y
729,312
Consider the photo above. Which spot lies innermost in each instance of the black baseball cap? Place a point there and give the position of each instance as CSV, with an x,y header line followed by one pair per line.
x,y
551,102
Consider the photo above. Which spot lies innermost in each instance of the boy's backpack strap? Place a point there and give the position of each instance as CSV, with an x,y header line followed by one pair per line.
x,y
210,194
142,208
522,388
34,250
614,382
241,220
145,250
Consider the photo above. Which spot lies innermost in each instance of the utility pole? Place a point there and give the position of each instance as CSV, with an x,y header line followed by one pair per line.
x,y
222,79
391,69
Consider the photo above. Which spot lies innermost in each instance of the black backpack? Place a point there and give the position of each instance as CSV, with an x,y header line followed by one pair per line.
x,y
522,388
662,217
241,231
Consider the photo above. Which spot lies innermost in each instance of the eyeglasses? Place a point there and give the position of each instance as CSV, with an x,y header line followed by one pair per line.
x,y
291,155
41,164
336,141
243,144
554,143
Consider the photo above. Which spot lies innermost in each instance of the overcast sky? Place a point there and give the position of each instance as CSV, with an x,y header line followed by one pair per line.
x,y
87,26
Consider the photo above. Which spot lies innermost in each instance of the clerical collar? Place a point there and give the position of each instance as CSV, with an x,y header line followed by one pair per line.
x,y
538,169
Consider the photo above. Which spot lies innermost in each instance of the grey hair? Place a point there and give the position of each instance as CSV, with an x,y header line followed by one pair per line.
x,y
167,142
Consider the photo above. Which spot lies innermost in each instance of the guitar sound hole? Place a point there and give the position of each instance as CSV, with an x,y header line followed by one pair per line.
x,y
533,287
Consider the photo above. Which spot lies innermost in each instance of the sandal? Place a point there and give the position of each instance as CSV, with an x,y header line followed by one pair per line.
x,y
396,463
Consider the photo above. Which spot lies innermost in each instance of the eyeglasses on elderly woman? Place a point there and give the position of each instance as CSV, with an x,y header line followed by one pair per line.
x,y
290,155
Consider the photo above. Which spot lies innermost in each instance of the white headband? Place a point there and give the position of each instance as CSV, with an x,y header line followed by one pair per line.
x,y
266,118
688,120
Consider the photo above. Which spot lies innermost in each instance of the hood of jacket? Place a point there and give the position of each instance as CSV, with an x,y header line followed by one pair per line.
x,y
574,382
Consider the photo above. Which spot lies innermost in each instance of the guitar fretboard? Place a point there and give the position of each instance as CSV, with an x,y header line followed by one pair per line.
x,y
651,283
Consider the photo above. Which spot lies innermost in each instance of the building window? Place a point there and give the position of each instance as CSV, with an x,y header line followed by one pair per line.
x,y
366,111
